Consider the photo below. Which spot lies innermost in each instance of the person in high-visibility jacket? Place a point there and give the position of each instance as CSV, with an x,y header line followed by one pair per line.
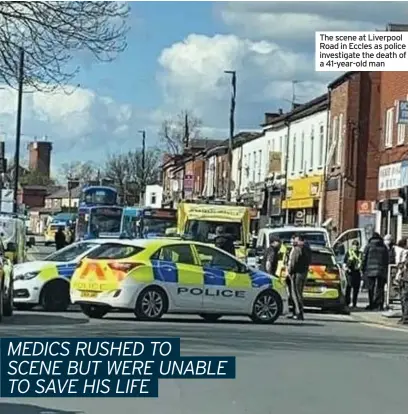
x,y
282,262
352,267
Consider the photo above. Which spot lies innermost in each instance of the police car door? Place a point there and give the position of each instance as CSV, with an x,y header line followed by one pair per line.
x,y
227,285
181,275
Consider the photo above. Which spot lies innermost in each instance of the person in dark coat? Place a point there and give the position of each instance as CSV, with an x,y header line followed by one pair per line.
x,y
352,265
270,258
60,239
300,258
402,281
389,243
375,269
224,241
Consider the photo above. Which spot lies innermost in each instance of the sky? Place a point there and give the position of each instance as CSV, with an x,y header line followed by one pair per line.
x,y
175,60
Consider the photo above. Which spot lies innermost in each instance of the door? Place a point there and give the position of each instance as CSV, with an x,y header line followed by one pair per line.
x,y
227,283
182,276
343,243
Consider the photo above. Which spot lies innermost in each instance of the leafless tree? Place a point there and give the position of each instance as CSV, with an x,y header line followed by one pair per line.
x,y
82,171
52,33
175,132
126,171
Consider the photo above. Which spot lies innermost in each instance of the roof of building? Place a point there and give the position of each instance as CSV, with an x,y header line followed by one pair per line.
x,y
301,111
63,193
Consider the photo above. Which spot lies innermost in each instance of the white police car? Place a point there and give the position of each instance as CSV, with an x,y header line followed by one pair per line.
x,y
46,282
152,277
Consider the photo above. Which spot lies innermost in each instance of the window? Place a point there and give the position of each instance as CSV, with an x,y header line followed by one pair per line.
x,y
259,165
177,254
345,242
302,152
401,134
114,251
316,238
339,153
214,258
204,230
70,252
389,127
322,258
254,168
333,146
294,153
321,145
153,198
311,159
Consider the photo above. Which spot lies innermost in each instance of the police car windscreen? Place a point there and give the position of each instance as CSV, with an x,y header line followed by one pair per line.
x,y
70,252
112,251
204,230
316,238
322,259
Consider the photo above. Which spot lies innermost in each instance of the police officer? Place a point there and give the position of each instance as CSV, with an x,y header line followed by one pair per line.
x,y
224,241
352,266
271,256
60,239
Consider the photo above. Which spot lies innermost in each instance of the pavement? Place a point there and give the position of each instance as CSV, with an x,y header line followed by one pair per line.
x,y
329,363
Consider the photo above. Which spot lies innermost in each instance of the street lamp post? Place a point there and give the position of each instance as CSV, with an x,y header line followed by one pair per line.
x,y
18,129
233,74
142,194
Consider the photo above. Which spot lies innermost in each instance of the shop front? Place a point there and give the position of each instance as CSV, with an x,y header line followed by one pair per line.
x,y
274,201
302,200
389,217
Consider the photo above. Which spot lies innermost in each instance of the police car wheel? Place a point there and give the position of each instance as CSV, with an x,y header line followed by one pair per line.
x,y
55,296
94,311
210,317
151,304
267,307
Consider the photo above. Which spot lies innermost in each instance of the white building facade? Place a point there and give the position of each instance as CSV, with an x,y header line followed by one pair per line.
x,y
300,200
153,196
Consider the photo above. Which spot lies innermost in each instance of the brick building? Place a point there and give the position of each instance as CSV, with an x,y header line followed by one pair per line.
x,y
39,156
352,157
393,154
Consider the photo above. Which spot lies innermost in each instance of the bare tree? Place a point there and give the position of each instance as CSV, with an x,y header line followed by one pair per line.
x,y
117,170
175,132
55,31
126,171
82,171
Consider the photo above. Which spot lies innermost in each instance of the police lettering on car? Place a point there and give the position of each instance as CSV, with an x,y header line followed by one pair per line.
x,y
226,293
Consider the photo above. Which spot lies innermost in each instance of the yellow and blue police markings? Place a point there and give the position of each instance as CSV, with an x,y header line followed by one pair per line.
x,y
171,272
53,271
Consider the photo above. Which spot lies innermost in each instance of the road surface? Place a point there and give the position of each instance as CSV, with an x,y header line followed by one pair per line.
x,y
327,364
39,251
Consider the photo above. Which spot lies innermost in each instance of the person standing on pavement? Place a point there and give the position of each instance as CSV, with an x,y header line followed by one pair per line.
x,y
352,266
389,242
298,268
60,239
375,269
270,258
224,241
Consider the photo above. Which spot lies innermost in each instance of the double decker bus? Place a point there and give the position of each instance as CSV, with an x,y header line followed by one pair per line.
x,y
99,215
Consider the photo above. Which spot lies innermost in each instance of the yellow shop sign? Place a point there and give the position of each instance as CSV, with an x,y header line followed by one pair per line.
x,y
302,192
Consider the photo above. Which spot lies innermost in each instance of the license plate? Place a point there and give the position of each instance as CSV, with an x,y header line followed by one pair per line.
x,y
87,294
313,289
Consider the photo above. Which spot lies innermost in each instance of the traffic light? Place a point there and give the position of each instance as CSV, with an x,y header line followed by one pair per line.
x,y
403,208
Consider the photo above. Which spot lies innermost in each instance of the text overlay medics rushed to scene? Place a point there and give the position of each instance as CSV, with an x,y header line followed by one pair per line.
x,y
128,367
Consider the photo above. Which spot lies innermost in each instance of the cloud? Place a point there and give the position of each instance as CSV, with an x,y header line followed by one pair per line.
x,y
193,75
296,22
270,45
82,125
